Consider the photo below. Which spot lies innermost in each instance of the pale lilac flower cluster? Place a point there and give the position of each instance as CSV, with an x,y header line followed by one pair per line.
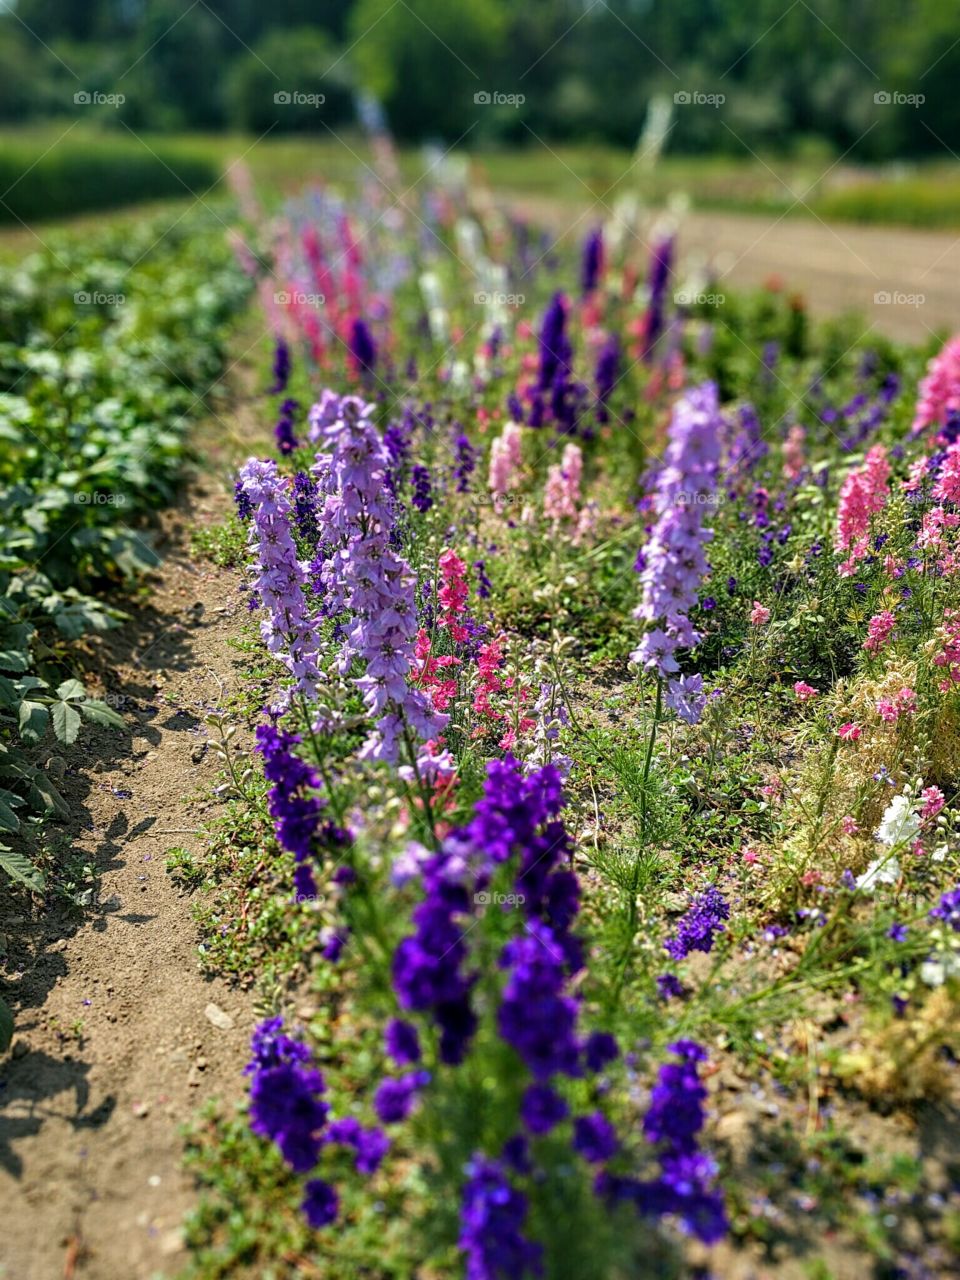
x,y
289,631
364,576
673,562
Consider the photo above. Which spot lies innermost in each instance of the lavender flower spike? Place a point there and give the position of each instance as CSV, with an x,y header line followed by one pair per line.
x,y
289,631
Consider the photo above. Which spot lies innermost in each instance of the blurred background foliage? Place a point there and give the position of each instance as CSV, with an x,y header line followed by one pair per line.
x,y
798,78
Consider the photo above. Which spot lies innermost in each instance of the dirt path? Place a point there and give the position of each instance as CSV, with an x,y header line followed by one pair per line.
x,y
119,1038
837,266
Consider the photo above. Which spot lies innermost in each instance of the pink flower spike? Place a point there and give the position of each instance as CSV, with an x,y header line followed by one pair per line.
x,y
759,614
878,631
849,732
804,691
933,801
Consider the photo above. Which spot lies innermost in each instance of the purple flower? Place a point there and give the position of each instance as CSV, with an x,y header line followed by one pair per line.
x,y
676,1114
243,504
465,462
371,1145
286,1103
608,364
541,1109
320,1204
686,698
362,347
592,262
402,1042
897,932
283,431
674,561
394,1098
594,1137
698,928
422,489
291,801
553,342
600,1050
516,1152
669,987
281,368
661,262
289,632
492,1217
304,508
948,910
364,577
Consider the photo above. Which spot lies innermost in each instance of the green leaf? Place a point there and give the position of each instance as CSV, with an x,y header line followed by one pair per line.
x,y
99,713
34,718
45,797
8,819
13,660
70,689
66,722
20,869
6,1027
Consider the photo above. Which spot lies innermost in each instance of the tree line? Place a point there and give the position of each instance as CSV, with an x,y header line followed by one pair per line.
x,y
872,78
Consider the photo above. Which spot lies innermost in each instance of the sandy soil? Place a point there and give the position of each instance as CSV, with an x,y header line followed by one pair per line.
x,y
837,266
119,1038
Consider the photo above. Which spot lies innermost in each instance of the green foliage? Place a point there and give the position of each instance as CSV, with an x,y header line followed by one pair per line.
x,y
96,173
799,78
106,347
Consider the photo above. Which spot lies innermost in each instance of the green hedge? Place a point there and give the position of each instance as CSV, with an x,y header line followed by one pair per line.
x,y
75,177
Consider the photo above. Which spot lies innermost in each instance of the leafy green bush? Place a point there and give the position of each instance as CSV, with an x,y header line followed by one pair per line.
x,y
107,348
96,173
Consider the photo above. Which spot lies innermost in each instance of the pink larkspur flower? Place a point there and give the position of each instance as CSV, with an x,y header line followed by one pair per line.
x,y
804,691
878,631
849,732
933,801
759,614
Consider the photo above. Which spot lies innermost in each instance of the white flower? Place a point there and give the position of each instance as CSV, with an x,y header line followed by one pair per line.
x,y
882,871
899,823
934,972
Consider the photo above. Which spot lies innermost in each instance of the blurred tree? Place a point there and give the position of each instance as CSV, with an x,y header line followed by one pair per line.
x,y
586,68
428,59
297,61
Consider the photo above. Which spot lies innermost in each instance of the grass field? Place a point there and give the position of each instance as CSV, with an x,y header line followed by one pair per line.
x,y
38,168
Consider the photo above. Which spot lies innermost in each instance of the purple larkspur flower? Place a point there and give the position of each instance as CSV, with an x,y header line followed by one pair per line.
x,y
320,1204
594,1137
289,632
492,1217
698,928
948,909
674,561
542,1109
